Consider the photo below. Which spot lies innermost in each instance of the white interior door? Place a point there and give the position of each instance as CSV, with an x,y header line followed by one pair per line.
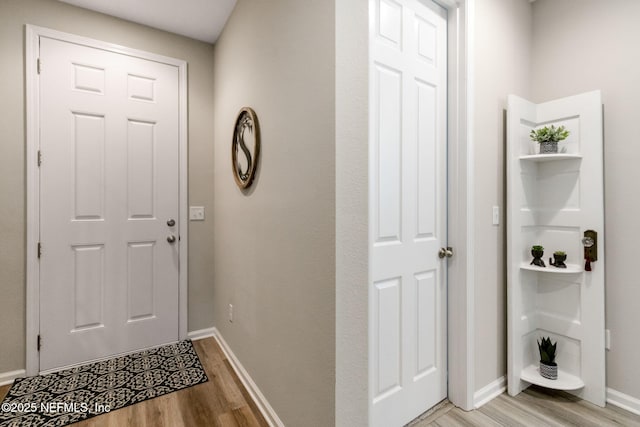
x,y
408,209
108,187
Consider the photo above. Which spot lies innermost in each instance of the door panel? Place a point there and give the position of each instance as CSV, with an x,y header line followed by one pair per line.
x,y
140,280
553,199
88,286
109,184
140,163
408,209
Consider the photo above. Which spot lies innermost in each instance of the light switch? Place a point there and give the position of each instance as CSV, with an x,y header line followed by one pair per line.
x,y
496,215
196,213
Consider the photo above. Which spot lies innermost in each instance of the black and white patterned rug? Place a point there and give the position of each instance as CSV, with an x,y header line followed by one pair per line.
x,y
83,392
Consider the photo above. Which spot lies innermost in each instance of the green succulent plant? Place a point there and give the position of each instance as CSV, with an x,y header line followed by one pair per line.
x,y
547,351
560,253
537,248
549,134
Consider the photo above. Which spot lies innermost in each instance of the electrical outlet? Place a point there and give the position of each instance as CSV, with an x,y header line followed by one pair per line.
x,y
231,313
496,215
196,213
607,339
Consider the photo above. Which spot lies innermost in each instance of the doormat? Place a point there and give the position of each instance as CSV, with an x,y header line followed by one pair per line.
x,y
83,392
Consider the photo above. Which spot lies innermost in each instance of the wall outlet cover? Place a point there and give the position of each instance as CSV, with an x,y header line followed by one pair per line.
x,y
196,213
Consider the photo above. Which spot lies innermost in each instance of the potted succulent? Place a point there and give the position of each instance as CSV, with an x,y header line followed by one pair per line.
x,y
548,366
537,252
559,257
548,137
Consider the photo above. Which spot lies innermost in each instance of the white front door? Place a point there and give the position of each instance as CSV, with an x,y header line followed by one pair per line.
x,y
108,193
408,363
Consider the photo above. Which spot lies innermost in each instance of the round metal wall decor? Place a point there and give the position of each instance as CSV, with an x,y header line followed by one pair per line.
x,y
245,149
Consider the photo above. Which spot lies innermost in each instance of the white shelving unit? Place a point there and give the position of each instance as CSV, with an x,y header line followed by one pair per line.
x,y
552,199
571,269
550,157
565,381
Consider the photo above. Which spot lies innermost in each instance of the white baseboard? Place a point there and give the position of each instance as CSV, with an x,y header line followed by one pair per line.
x,y
623,401
267,411
489,392
8,377
201,333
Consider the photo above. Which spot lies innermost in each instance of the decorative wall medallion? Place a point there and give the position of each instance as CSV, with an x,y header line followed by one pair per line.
x,y
245,149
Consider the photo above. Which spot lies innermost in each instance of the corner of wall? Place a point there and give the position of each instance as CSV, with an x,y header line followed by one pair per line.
x,y
352,236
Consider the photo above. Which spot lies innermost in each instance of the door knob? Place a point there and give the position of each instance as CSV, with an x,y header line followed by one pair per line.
x,y
445,252
171,222
171,239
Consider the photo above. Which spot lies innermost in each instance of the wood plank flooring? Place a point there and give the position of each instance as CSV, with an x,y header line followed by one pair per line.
x,y
535,407
222,401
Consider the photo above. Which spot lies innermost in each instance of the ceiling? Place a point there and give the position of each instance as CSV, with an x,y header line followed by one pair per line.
x,y
199,19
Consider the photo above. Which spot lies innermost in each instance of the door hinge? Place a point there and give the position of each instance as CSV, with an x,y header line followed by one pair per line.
x,y
39,342
39,65
39,249
39,158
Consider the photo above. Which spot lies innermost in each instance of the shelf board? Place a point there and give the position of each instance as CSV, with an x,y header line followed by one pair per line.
x,y
550,157
571,268
565,381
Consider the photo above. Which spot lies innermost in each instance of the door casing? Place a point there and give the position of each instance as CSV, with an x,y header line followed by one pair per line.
x,y
461,210
32,41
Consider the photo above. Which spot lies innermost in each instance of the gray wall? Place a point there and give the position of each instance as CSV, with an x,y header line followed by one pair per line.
x,y
503,34
14,14
543,51
352,212
274,246
579,46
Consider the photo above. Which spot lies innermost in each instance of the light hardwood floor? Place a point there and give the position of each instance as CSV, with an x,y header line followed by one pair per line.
x,y
535,407
221,401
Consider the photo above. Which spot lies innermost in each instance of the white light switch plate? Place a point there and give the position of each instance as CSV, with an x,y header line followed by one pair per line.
x,y
196,213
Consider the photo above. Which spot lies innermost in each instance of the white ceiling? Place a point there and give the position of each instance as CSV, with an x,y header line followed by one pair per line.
x,y
198,19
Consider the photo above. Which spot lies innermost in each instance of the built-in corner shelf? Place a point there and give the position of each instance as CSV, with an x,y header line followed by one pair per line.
x,y
571,268
550,157
552,200
565,381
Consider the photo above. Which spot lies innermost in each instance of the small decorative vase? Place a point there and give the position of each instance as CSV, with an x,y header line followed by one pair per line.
x,y
549,372
548,147
537,258
558,261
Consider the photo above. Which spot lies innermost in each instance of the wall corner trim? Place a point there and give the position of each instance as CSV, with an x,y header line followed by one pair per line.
x,y
261,402
623,401
201,334
489,392
9,377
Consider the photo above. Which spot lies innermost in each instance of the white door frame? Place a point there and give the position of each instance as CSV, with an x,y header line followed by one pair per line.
x,y
460,307
32,42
